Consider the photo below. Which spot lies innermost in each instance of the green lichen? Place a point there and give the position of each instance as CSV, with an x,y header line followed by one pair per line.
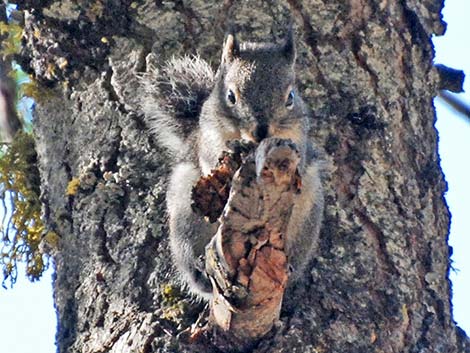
x,y
36,91
21,227
174,305
72,187
12,43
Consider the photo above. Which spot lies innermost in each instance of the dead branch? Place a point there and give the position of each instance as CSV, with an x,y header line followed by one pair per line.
x,y
245,260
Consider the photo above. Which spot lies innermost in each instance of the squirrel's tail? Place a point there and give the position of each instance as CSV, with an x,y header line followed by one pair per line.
x,y
173,98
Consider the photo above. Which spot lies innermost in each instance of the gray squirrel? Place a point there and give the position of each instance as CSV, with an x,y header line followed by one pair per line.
x,y
194,112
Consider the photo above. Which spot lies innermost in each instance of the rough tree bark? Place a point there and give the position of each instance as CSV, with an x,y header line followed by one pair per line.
x,y
379,281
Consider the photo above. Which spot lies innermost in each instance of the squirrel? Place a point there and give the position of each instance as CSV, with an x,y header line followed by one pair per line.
x,y
194,112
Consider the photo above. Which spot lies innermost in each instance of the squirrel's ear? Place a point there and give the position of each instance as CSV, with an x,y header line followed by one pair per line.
x,y
231,48
289,45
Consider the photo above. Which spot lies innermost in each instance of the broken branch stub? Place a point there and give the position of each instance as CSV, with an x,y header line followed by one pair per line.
x,y
246,259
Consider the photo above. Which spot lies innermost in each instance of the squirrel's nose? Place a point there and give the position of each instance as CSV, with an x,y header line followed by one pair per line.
x,y
260,132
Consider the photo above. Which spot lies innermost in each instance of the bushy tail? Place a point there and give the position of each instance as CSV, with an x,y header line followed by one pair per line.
x,y
173,98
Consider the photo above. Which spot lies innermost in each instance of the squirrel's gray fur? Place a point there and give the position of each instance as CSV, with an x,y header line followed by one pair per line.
x,y
173,98
194,112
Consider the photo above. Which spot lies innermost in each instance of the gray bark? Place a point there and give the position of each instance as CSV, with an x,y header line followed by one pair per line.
x,y
379,281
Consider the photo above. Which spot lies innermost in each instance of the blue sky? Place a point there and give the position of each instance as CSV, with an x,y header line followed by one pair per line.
x,y
27,317
453,50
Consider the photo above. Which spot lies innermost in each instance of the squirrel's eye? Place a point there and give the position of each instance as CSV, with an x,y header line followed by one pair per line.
x,y
231,97
290,100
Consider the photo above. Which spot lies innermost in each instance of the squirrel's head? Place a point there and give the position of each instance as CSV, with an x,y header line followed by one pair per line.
x,y
256,89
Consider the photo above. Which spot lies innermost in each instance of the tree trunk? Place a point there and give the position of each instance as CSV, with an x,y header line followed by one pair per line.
x,y
9,122
379,280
